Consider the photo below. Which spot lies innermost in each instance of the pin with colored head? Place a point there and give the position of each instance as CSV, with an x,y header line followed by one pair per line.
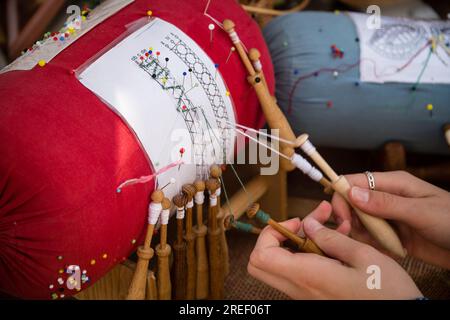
x,y
232,49
171,181
430,109
211,28
190,74
184,76
167,60
216,66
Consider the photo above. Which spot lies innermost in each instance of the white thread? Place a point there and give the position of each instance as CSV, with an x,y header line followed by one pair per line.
x,y
302,164
308,148
190,204
262,133
165,216
212,200
154,210
257,65
218,192
199,197
180,212
234,37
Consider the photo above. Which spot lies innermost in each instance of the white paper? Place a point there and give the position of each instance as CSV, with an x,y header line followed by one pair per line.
x,y
399,50
153,106
49,48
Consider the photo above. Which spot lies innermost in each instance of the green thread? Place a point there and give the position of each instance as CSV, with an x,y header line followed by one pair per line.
x,y
262,216
423,69
242,226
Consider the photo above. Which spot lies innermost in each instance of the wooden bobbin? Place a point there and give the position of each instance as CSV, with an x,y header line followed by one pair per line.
x,y
229,26
254,56
200,230
216,272
274,116
179,279
230,223
191,263
305,245
216,173
328,189
151,292
377,227
163,252
137,289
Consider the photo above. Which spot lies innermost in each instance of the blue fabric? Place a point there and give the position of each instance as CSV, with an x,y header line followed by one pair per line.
x,y
361,115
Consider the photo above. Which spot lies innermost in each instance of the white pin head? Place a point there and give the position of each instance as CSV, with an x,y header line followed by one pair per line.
x,y
211,27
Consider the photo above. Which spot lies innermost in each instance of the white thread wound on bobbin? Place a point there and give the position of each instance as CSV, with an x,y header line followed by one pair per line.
x,y
257,65
199,197
154,210
308,148
165,216
302,164
212,200
180,212
234,37
190,204
218,192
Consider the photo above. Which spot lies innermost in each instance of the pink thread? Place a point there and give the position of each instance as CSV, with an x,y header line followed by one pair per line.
x,y
347,67
145,179
205,12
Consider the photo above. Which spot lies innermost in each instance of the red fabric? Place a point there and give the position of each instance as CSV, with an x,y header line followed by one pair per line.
x,y
63,152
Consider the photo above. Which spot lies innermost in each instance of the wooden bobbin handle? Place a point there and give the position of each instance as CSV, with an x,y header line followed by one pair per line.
x,y
179,271
216,272
202,288
304,244
191,267
136,291
310,247
380,229
163,275
151,291
274,116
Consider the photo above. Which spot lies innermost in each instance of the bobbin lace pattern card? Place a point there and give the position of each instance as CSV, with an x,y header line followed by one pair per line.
x,y
169,92
404,50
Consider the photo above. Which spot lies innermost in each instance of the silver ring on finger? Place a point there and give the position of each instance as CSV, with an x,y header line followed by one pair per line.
x,y
370,180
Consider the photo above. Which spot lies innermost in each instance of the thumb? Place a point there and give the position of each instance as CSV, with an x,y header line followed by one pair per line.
x,y
387,205
337,245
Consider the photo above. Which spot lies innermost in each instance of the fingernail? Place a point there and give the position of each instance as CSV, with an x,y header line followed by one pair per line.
x,y
360,194
312,225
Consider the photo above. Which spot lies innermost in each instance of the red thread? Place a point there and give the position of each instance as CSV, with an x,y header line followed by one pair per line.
x,y
145,179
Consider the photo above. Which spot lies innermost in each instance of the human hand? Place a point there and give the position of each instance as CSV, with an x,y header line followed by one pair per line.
x,y
420,213
341,275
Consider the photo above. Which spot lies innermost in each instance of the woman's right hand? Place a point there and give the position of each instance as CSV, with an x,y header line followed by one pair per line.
x,y
420,212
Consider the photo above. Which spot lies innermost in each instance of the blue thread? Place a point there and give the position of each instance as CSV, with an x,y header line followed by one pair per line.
x,y
246,227
262,216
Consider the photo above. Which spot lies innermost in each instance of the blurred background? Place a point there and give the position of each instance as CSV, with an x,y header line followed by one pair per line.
x,y
23,22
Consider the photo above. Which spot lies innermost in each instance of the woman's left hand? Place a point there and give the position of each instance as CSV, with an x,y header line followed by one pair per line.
x,y
345,274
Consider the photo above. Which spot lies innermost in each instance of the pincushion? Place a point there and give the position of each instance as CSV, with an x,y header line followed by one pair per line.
x,y
64,152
